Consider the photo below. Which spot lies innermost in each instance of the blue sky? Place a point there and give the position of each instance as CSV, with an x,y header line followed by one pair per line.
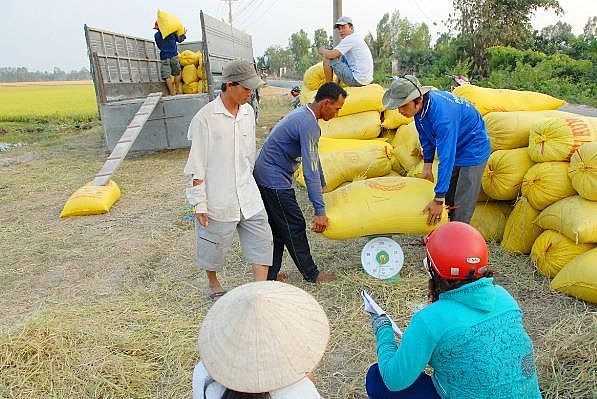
x,y
41,35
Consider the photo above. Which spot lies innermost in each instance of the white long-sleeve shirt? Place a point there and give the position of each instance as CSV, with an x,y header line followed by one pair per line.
x,y
223,156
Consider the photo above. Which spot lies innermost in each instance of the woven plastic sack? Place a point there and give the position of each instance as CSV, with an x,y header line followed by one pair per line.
x,y
579,277
361,99
556,139
169,23
575,217
552,251
188,57
583,171
417,170
364,125
328,144
509,130
547,182
189,74
314,77
504,172
490,219
91,200
488,100
392,119
346,166
383,205
520,232
307,96
191,88
407,148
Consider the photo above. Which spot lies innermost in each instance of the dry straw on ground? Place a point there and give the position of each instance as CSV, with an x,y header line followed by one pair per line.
x,y
110,305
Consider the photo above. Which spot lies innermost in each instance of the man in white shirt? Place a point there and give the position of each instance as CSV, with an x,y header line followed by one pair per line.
x,y
351,59
224,192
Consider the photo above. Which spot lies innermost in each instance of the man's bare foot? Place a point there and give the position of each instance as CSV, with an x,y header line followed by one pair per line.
x,y
282,276
323,277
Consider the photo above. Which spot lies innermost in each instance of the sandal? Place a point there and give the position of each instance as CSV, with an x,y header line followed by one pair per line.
x,y
214,296
418,241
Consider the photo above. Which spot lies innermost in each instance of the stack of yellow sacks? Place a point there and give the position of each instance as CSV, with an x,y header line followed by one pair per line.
x,y
194,77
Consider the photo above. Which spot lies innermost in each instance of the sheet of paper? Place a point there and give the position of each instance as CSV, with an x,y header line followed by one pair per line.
x,y
371,306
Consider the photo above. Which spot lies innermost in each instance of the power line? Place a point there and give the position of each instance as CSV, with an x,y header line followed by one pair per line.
x,y
229,10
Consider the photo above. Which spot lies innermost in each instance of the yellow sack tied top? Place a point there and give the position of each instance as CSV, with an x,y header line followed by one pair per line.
x,y
575,217
552,251
314,77
189,74
189,57
382,205
487,100
392,119
547,182
408,152
191,88
504,173
583,171
579,277
556,139
520,231
91,200
169,23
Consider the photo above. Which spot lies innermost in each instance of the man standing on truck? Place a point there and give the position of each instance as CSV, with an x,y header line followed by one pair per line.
x,y
296,136
169,64
351,59
224,193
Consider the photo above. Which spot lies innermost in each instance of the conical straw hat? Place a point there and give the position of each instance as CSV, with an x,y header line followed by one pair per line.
x,y
263,336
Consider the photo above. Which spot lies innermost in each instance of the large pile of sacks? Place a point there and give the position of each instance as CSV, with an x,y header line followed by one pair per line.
x,y
539,191
194,77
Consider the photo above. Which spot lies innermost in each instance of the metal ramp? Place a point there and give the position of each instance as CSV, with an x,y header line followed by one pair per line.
x,y
126,141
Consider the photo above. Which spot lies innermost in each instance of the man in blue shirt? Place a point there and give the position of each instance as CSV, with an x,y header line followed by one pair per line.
x,y
295,139
169,64
451,126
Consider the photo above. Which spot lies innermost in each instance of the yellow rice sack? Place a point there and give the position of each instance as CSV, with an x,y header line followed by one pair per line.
x,y
520,232
307,96
579,277
91,200
314,77
504,173
169,23
583,171
552,251
364,125
417,170
575,217
392,119
345,166
490,219
361,99
188,57
555,139
487,100
189,74
383,205
408,152
509,130
191,88
328,144
547,182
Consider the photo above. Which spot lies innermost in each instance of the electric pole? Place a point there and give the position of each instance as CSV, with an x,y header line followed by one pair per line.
x,y
337,14
229,10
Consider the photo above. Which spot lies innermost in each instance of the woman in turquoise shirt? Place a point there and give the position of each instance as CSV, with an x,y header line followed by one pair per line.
x,y
471,334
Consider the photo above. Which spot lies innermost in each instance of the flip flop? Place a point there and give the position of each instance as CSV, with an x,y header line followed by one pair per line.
x,y
214,296
418,241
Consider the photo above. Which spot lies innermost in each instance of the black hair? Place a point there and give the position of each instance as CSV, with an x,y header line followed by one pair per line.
x,y
225,85
230,394
330,90
437,284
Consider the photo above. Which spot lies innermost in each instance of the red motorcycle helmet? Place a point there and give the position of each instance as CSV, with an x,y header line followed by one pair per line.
x,y
456,249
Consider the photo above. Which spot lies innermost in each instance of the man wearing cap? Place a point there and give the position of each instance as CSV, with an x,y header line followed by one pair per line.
x,y
451,126
351,59
224,193
295,139
169,64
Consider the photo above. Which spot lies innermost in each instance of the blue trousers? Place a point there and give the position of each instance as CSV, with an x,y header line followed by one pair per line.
x,y
422,388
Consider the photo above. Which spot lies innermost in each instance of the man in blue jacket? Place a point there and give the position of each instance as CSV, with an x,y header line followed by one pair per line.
x,y
451,126
295,139
169,64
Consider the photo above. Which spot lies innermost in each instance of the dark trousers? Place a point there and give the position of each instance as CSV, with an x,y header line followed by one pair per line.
x,y
463,192
422,388
289,230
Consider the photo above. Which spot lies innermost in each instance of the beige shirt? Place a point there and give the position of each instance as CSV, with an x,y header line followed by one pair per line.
x,y
223,156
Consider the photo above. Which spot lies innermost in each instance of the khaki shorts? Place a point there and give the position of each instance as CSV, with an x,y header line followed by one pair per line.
x,y
169,67
213,242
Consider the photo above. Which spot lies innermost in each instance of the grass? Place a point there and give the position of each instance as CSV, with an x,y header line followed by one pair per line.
x,y
110,306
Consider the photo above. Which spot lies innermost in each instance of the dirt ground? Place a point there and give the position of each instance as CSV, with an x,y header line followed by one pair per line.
x,y
110,305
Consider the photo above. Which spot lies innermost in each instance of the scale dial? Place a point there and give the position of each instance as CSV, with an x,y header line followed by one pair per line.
x,y
382,258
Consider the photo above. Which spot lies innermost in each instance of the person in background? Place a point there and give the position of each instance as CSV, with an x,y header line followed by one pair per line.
x,y
471,333
169,64
261,340
224,194
455,129
295,139
351,59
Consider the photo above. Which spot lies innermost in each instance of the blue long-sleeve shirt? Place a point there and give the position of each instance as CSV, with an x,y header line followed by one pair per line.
x,y
456,129
167,46
293,140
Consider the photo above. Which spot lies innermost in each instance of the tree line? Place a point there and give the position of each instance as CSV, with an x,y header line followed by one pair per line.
x,y
22,74
489,41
